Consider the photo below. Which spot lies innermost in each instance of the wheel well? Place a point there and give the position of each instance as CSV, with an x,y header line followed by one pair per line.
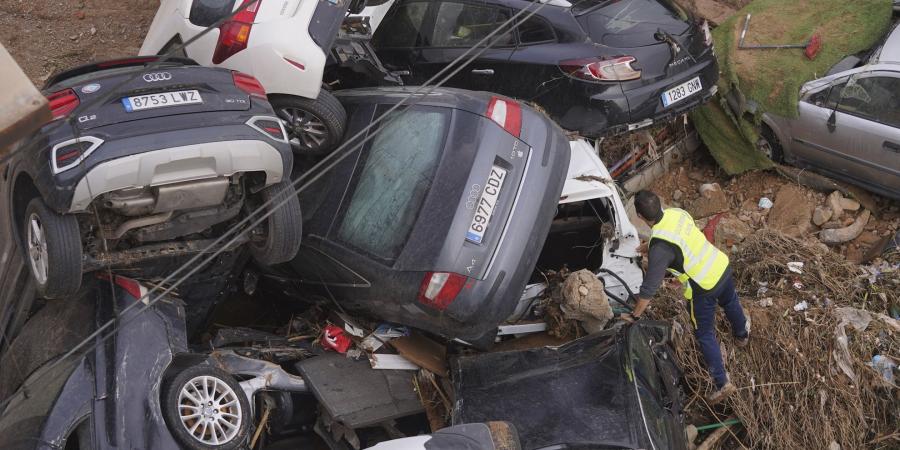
x,y
24,190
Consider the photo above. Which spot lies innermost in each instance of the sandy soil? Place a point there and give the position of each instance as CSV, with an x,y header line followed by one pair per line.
x,y
48,36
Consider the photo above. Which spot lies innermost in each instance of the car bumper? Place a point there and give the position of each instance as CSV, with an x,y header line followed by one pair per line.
x,y
141,161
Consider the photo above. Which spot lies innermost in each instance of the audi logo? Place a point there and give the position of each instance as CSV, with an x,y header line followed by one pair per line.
x,y
157,76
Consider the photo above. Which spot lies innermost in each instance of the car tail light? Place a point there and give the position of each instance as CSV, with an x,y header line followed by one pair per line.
x,y
131,287
234,33
595,69
269,126
439,289
507,114
62,103
68,154
248,84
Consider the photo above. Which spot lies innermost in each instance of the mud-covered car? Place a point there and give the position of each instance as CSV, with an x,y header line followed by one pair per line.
x,y
142,163
438,220
598,67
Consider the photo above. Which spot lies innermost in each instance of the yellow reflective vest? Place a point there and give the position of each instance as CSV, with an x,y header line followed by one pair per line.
x,y
703,262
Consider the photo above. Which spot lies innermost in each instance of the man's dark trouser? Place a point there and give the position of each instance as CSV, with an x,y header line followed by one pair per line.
x,y
705,315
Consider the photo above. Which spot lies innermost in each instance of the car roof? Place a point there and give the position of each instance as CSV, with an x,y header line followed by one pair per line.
x,y
472,101
890,51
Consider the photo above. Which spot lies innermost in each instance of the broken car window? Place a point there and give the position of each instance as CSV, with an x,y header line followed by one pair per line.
x,y
464,25
405,24
392,185
874,98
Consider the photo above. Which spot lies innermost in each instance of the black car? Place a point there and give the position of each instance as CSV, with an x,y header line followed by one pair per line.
x,y
615,389
436,222
596,66
151,161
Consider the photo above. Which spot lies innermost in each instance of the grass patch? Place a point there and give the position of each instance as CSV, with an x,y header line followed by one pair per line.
x,y
773,78
728,145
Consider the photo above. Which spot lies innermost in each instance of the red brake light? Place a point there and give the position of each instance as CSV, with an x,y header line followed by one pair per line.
x,y
234,33
507,114
131,287
595,69
439,289
62,103
248,84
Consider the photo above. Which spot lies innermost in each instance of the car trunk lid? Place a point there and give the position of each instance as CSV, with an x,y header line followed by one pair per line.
x,y
141,93
662,42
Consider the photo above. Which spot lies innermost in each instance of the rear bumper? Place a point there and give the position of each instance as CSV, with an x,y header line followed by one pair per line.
x,y
178,164
159,158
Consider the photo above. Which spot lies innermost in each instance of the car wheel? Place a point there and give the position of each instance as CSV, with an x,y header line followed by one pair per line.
x,y
53,249
314,127
769,145
282,230
205,408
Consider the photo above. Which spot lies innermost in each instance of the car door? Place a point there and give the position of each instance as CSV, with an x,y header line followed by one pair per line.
x,y
866,130
532,75
401,37
459,26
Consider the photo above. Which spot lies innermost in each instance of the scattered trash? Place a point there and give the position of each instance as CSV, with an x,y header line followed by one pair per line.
x,y
795,266
384,333
798,285
884,366
765,203
766,302
387,361
763,289
802,306
422,352
333,338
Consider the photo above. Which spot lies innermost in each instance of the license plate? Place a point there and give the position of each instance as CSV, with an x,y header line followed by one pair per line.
x,y
681,92
484,209
161,100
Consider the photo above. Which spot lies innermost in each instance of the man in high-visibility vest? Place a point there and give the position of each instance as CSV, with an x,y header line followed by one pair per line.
x,y
677,245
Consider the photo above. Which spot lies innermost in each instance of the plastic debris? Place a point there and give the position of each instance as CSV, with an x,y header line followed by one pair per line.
x,y
798,285
334,338
766,302
884,366
795,266
802,306
765,203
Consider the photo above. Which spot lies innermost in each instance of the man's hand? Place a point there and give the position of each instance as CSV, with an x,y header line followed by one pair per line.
x,y
642,249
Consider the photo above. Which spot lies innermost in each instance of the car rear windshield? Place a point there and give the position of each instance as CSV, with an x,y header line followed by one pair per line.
x,y
395,177
631,23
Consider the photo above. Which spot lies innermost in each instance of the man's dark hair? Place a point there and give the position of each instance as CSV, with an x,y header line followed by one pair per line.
x,y
646,204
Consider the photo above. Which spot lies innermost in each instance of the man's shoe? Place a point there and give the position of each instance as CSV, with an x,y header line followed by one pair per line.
x,y
743,341
721,394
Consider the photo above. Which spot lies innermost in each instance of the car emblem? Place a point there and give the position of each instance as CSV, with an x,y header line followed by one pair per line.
x,y
90,88
157,76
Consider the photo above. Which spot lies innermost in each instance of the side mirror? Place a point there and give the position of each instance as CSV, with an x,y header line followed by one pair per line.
x,y
831,122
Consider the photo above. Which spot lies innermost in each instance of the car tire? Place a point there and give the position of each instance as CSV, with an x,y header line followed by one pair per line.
x,y
769,145
283,229
314,127
214,395
52,244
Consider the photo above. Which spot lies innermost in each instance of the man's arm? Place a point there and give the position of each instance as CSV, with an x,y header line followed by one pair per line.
x,y
660,257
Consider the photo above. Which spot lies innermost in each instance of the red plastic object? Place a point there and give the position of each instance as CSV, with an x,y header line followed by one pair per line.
x,y
334,338
710,229
812,49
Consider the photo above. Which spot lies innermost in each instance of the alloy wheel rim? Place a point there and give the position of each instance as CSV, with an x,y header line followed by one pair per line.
x,y
305,130
209,410
37,248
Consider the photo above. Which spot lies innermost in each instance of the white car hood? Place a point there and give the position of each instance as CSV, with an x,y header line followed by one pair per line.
x,y
587,177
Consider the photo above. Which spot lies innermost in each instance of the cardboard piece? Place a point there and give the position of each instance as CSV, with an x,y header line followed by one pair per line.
x,y
422,351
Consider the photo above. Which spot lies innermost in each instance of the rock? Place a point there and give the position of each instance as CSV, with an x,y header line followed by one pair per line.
x,y
584,300
792,211
848,233
832,224
847,221
73,37
849,204
712,200
867,239
677,195
821,215
834,202
731,231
